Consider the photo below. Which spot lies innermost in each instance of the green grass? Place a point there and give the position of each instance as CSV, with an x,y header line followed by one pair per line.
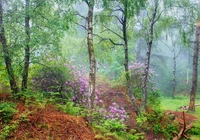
x,y
168,103
197,112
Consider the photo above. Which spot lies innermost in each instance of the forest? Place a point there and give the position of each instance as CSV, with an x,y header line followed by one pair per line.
x,y
99,70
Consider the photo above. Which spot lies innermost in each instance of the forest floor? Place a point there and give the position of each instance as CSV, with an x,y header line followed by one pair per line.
x,y
47,123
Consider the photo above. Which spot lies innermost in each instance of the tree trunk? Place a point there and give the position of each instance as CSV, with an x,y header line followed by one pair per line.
x,y
130,94
195,70
148,55
27,47
13,84
92,75
174,74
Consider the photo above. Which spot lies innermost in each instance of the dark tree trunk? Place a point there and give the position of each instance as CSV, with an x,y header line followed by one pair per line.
x,y
129,91
195,70
92,75
27,47
13,83
148,55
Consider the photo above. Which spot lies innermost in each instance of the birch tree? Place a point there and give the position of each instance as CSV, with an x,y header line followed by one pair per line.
x,y
122,12
152,20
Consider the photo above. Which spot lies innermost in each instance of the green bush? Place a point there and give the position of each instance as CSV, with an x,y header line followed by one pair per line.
x,y
7,110
70,108
50,77
116,130
157,121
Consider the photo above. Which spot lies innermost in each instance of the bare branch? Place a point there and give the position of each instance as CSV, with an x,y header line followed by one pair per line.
x,y
141,23
109,39
120,8
158,17
107,29
78,14
79,24
119,19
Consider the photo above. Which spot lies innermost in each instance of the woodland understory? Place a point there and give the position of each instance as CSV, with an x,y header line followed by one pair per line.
x,y
99,69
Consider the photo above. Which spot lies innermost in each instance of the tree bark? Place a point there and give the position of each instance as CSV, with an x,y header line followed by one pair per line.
x,y
128,85
195,70
92,74
8,62
27,47
174,74
148,55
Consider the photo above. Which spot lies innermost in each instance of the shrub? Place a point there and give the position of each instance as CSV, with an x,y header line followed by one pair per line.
x,y
137,76
7,110
157,121
70,108
50,77
77,84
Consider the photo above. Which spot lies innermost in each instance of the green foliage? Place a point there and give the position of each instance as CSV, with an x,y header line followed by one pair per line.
x,y
50,77
195,130
71,108
113,126
7,129
115,130
157,121
141,119
31,97
4,83
154,99
157,128
7,110
170,129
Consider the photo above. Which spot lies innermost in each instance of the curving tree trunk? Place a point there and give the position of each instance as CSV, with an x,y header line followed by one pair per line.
x,y
128,84
195,70
148,56
8,62
27,47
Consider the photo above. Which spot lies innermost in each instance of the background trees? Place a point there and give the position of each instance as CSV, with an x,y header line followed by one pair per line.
x,y
38,31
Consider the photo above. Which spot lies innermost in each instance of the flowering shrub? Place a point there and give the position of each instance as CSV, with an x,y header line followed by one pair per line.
x,y
117,113
78,85
137,76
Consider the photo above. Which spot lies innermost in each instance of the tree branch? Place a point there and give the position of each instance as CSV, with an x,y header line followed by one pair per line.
x,y
78,14
38,5
104,39
112,32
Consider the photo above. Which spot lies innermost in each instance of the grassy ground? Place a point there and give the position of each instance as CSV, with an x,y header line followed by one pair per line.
x,y
167,103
